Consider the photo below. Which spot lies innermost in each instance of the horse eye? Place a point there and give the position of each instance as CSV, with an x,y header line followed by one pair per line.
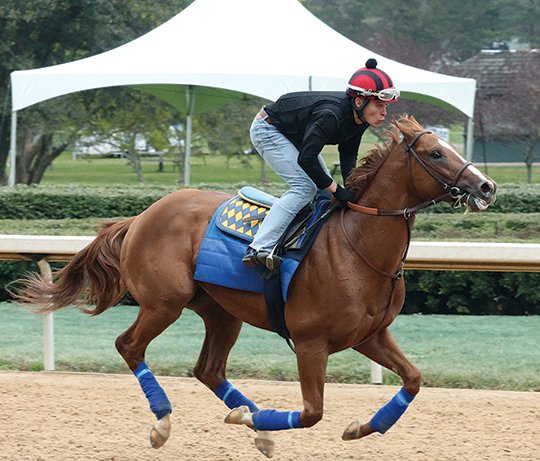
x,y
435,154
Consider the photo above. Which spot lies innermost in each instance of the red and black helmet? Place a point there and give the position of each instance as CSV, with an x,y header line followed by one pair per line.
x,y
372,83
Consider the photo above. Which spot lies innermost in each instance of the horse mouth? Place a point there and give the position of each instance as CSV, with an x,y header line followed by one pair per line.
x,y
476,203
472,202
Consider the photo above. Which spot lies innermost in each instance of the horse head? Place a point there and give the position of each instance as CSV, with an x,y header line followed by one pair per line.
x,y
436,169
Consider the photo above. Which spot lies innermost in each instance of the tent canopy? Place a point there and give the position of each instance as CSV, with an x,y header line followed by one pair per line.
x,y
228,46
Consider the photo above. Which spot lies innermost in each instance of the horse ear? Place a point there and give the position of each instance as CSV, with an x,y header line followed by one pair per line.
x,y
408,126
401,124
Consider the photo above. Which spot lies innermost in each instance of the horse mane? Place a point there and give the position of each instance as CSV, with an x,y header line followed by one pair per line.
x,y
405,126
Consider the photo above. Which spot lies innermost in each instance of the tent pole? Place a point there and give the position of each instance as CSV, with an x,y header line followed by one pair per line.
x,y
190,99
469,139
13,150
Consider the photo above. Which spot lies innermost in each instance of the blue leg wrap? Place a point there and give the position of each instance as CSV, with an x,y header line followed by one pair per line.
x,y
272,420
387,416
159,403
233,398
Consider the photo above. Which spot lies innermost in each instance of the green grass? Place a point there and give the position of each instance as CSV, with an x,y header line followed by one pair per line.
x,y
473,227
104,171
212,169
451,351
478,227
511,174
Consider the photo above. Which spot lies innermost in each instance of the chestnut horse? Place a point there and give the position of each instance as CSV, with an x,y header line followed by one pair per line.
x,y
345,294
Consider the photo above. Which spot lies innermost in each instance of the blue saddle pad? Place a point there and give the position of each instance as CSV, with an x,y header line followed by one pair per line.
x,y
229,232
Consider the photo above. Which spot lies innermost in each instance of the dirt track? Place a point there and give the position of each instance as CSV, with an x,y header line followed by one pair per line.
x,y
64,416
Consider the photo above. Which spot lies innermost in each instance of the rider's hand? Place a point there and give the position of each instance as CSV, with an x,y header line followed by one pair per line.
x,y
343,196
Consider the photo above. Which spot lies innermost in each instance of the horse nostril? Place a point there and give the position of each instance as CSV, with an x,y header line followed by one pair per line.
x,y
487,188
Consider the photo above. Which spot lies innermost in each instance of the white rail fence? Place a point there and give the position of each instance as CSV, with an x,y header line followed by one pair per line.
x,y
495,257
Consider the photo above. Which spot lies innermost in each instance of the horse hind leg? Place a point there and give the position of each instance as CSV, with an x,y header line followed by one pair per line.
x,y
132,345
384,350
222,330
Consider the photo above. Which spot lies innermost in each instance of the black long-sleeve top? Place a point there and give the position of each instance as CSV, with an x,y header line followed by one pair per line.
x,y
313,119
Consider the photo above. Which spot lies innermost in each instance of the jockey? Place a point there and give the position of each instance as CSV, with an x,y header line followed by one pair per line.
x,y
290,134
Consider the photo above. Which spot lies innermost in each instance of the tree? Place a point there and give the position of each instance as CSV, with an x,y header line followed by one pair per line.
x,y
38,33
429,34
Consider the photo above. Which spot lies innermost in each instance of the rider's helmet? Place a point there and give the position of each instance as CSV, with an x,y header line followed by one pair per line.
x,y
372,84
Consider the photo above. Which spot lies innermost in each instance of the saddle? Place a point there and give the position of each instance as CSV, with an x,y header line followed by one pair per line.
x,y
243,214
232,228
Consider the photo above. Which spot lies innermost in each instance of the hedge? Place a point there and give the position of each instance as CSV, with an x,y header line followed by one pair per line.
x,y
477,293
428,292
56,202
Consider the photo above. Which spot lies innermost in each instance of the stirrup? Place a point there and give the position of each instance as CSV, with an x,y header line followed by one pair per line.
x,y
272,262
254,258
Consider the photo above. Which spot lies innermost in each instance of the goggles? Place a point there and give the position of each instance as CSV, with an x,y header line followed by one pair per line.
x,y
387,95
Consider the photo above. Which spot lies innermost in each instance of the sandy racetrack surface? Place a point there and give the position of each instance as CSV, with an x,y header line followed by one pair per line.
x,y
71,416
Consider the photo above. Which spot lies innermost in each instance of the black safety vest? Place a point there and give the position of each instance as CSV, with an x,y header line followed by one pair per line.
x,y
313,119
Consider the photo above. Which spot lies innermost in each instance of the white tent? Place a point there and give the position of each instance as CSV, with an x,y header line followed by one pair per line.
x,y
219,50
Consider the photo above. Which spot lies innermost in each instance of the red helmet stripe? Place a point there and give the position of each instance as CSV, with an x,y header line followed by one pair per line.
x,y
369,78
378,83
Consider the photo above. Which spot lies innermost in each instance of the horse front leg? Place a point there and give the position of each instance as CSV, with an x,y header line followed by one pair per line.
x,y
312,359
384,350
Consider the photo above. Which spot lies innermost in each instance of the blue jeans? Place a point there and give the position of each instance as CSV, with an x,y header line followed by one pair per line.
x,y
282,156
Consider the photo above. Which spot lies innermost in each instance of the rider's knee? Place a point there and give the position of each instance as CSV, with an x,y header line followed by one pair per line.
x,y
304,187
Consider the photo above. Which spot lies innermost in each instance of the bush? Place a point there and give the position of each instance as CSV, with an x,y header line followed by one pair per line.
x,y
57,202
428,292
477,293
68,202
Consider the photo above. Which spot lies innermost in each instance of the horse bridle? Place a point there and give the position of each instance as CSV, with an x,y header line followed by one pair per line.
x,y
454,192
449,185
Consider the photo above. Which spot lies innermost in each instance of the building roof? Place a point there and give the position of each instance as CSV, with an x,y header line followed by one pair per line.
x,y
496,70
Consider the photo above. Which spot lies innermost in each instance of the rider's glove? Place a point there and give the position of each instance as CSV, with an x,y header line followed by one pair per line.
x,y
343,196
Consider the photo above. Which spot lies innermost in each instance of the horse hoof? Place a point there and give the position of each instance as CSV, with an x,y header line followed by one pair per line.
x,y
265,444
160,432
240,415
356,430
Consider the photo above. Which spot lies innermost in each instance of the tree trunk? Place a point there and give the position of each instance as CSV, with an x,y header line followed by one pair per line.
x,y
35,157
529,159
135,160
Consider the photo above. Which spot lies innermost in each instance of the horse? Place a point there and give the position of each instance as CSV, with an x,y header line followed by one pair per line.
x,y
345,294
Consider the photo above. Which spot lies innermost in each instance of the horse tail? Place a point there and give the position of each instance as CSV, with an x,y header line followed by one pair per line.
x,y
92,277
